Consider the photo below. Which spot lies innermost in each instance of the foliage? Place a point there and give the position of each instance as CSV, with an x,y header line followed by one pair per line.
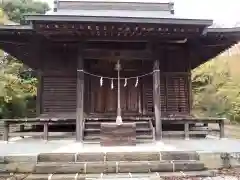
x,y
17,89
216,88
16,9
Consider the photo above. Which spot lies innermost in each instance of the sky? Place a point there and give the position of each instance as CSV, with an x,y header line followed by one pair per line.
x,y
224,12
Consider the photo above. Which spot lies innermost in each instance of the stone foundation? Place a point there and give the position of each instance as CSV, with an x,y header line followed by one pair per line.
x,y
91,165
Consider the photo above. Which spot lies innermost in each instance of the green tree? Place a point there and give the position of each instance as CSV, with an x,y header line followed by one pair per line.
x,y
16,9
17,92
14,90
217,88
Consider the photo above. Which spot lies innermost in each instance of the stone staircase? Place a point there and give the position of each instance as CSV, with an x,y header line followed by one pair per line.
x,y
100,165
144,128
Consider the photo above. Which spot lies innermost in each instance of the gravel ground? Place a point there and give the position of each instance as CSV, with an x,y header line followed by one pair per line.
x,y
222,174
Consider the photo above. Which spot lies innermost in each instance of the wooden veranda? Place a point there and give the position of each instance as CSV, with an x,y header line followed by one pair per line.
x,y
75,56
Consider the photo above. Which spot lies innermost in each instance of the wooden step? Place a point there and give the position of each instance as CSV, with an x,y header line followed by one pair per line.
x,y
98,130
94,124
97,137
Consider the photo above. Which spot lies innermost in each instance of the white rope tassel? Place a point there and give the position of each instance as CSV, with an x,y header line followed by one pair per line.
x,y
136,84
101,81
125,83
112,84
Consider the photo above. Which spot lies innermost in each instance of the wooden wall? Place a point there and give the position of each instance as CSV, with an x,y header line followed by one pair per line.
x,y
174,94
59,75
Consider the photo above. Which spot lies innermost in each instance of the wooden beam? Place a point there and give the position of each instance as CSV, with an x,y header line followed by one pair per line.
x,y
221,126
157,99
45,131
80,95
121,54
6,131
39,93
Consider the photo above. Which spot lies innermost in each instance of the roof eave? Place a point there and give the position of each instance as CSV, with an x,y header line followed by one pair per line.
x,y
16,27
200,22
232,34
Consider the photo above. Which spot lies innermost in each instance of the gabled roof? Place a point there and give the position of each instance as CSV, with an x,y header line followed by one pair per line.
x,y
133,5
206,43
125,11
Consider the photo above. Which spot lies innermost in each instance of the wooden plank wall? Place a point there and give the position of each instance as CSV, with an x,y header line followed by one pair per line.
x,y
59,79
59,93
59,85
174,94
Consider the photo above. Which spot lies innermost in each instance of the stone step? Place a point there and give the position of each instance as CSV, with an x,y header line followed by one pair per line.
x,y
119,176
103,167
104,156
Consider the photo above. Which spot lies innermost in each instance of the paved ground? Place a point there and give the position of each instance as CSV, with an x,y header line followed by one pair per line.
x,y
231,131
31,146
35,146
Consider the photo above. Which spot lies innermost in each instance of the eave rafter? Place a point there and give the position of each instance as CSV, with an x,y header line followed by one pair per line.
x,y
75,31
19,42
205,49
19,45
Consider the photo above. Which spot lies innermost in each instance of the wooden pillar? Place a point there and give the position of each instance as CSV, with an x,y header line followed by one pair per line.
x,y
80,96
186,131
190,91
157,99
221,126
39,94
6,131
45,131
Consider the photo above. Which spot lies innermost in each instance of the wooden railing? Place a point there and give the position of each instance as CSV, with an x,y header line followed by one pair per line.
x,y
153,129
33,121
192,121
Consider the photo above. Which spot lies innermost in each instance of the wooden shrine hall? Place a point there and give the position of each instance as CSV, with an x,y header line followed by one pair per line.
x,y
99,59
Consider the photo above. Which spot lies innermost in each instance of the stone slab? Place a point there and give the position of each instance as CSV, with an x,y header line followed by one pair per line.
x,y
188,166
67,177
113,134
20,158
119,176
132,156
89,157
19,167
37,177
58,168
54,177
13,176
56,157
179,155
101,167
144,167
1,159
81,168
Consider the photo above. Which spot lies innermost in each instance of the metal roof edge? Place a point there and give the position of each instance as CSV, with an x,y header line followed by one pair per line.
x,y
203,22
122,1
223,30
16,27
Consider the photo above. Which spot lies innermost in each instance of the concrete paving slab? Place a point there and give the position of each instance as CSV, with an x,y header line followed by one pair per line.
x,y
35,146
